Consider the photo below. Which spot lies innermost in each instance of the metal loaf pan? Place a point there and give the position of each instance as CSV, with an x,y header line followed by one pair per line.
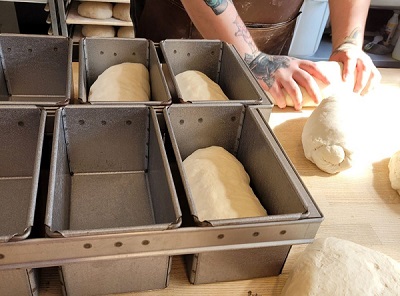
x,y
21,138
220,62
98,54
35,69
109,174
243,131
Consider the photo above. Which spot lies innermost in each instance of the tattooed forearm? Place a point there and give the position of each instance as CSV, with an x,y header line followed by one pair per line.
x,y
350,41
264,66
245,34
218,6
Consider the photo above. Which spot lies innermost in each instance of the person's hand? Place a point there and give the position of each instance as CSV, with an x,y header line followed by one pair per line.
x,y
356,61
280,74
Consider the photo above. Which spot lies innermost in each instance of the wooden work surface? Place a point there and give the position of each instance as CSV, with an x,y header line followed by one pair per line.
x,y
358,204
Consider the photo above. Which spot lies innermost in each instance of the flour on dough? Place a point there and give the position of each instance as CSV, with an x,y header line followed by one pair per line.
x,y
95,10
121,11
122,82
126,32
98,31
220,186
394,171
333,266
332,133
196,86
333,71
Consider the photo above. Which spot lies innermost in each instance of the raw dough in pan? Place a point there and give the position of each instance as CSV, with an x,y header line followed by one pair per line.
x,y
96,10
220,186
122,82
197,86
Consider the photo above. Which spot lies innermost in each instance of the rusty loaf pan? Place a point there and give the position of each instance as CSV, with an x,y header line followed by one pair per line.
x,y
21,138
220,62
109,173
98,54
243,132
35,70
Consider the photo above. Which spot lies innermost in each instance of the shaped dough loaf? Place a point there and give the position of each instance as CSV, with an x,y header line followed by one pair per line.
x,y
333,71
98,31
196,86
96,10
331,133
394,171
126,32
122,82
334,266
121,11
220,186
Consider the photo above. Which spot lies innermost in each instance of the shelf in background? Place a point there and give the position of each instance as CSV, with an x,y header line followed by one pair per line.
x,y
325,48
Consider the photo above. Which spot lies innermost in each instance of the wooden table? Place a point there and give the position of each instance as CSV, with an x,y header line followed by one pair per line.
x,y
358,204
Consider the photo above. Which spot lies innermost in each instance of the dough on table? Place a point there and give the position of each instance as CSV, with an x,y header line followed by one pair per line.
x,y
121,11
333,266
394,171
220,186
95,10
98,31
333,70
122,82
126,32
197,86
332,133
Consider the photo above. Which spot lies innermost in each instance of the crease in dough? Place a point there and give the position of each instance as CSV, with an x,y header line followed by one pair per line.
x,y
220,186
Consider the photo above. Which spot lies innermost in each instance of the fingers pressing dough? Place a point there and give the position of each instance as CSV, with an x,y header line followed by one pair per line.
x,y
196,86
333,70
331,133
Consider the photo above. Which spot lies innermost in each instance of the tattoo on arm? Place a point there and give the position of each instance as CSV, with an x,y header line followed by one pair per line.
x,y
218,6
243,32
264,66
350,41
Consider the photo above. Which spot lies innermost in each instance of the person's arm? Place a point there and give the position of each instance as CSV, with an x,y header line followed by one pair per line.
x,y
348,19
219,19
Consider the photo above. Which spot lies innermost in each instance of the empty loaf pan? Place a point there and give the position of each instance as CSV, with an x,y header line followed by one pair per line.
x,y
242,131
98,54
21,138
220,62
35,69
109,174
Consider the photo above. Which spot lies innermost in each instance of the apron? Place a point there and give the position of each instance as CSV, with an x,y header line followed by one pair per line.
x,y
270,22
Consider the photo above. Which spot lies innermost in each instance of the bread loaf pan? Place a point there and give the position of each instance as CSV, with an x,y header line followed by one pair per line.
x,y
109,174
220,62
98,54
35,69
244,132
21,138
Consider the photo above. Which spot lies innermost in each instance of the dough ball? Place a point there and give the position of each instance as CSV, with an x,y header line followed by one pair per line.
x,y
332,133
98,31
196,86
121,11
333,70
334,266
126,32
96,10
394,171
220,186
122,82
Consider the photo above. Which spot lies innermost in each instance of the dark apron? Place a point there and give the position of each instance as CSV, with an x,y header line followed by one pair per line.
x,y
270,22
